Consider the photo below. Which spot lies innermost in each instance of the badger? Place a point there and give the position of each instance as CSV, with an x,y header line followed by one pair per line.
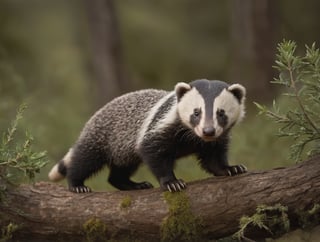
x,y
157,127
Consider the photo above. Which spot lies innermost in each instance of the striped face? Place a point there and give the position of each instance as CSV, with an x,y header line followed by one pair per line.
x,y
210,107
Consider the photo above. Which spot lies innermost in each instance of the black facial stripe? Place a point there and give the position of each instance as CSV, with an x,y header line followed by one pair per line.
x,y
222,118
209,90
209,114
195,120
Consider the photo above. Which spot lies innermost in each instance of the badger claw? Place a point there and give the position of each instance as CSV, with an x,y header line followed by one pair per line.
x,y
80,189
236,170
229,172
243,168
175,185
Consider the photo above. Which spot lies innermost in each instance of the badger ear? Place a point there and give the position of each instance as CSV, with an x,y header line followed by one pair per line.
x,y
181,88
238,91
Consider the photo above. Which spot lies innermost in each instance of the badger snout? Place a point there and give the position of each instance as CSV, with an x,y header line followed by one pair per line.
x,y
209,131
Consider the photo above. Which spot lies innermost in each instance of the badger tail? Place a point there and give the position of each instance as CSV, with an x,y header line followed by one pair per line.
x,y
59,171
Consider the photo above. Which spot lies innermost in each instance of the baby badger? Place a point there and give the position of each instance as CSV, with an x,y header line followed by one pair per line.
x,y
156,127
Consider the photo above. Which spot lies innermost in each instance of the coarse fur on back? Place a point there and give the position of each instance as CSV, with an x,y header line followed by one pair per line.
x,y
157,127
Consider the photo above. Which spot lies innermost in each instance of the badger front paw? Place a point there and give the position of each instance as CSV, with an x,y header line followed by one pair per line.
x,y
143,185
235,170
175,185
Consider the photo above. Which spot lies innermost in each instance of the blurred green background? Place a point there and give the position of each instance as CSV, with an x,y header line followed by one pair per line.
x,y
65,59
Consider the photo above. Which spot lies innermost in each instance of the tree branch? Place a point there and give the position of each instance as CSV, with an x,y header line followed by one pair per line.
x,y
49,211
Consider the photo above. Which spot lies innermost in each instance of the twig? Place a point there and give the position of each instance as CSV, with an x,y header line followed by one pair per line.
x,y
292,80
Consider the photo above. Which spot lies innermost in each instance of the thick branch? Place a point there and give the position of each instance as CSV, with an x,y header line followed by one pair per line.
x,y
46,211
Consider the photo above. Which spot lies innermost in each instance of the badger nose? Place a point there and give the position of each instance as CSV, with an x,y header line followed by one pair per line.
x,y
209,131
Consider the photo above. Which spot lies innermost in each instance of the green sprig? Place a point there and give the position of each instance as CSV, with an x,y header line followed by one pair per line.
x,y
18,160
300,75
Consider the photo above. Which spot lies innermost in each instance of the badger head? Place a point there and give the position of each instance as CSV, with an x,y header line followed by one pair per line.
x,y
210,108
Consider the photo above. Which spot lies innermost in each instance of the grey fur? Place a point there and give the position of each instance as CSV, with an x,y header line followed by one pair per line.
x,y
115,127
148,126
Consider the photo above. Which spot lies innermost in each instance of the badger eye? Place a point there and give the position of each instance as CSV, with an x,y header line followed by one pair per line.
x,y
220,113
197,112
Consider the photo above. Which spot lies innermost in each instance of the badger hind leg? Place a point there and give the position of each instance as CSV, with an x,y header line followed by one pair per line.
x,y
83,164
77,186
120,178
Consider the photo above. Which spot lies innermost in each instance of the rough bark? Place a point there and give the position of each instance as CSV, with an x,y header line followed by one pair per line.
x,y
48,211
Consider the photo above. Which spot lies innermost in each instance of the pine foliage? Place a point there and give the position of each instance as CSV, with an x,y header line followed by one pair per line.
x,y
300,76
18,160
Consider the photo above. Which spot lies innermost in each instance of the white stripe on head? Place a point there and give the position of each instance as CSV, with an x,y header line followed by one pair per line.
x,y
232,108
189,101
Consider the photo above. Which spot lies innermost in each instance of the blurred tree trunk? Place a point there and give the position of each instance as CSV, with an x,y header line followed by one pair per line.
x,y
107,64
253,45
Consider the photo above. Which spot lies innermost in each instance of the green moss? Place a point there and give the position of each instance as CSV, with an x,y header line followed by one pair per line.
x,y
95,230
273,219
310,217
126,202
7,232
180,224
